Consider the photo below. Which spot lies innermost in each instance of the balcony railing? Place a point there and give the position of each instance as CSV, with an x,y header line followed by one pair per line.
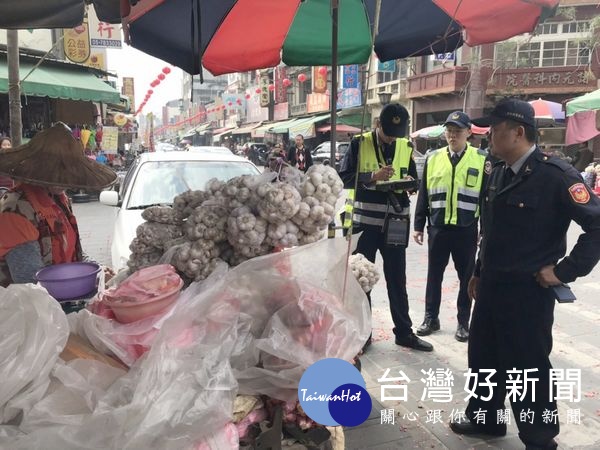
x,y
443,81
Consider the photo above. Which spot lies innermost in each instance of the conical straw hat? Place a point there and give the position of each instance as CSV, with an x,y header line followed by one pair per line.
x,y
55,158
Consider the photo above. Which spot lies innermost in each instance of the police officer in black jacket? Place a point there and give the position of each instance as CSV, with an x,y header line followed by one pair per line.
x,y
526,208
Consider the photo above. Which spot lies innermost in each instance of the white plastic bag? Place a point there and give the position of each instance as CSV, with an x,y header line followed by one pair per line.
x,y
33,332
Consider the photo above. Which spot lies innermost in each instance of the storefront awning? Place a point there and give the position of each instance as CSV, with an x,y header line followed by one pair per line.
x,y
259,132
247,129
223,132
66,81
282,127
306,126
340,128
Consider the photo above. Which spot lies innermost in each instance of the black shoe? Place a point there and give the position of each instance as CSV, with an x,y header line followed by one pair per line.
x,y
412,341
466,427
428,326
462,334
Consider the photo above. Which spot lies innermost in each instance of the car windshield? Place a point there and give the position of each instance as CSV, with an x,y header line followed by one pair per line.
x,y
158,182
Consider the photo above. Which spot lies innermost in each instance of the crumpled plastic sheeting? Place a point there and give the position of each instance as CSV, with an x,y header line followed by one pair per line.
x,y
33,332
280,312
172,399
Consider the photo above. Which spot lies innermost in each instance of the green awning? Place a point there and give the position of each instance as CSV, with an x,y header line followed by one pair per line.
x,y
64,81
282,127
587,102
306,126
355,120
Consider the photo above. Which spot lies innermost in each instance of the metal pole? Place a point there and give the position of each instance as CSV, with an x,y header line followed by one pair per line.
x,y
334,78
14,89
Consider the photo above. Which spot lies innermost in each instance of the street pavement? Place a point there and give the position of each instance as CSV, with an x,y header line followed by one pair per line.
x,y
424,423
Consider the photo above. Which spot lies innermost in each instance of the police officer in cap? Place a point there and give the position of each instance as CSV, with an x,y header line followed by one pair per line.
x,y
448,201
374,158
527,206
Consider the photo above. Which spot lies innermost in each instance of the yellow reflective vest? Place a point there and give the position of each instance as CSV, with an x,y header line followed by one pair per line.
x,y
453,191
369,208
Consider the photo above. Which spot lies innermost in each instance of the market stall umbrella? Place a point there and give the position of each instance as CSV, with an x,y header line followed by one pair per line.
x,y
587,102
432,132
545,109
229,36
27,14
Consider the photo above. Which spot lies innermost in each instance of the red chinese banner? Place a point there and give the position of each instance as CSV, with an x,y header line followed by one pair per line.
x,y
319,79
280,89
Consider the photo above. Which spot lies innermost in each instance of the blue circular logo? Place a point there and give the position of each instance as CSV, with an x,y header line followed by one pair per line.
x,y
332,392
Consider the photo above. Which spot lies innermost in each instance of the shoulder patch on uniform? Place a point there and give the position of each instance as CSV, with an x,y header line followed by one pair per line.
x,y
487,168
579,193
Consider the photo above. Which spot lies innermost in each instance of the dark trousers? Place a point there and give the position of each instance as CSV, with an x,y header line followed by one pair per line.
x,y
394,270
511,328
461,243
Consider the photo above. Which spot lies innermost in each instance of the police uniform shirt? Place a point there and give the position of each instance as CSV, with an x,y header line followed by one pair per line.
x,y
524,224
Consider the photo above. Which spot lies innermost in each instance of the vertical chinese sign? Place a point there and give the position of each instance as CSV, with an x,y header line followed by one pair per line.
x,y
280,89
319,79
128,90
77,43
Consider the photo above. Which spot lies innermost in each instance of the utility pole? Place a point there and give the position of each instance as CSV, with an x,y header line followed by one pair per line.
x,y
14,88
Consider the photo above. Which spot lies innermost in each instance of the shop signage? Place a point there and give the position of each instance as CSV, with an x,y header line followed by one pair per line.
x,y
317,102
128,90
319,80
102,34
280,89
77,42
110,139
265,94
350,76
349,98
281,111
387,66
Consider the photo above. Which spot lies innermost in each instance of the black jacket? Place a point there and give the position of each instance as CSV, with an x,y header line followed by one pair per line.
x,y
524,224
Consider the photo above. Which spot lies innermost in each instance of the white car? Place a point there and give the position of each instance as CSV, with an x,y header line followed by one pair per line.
x,y
155,179
210,149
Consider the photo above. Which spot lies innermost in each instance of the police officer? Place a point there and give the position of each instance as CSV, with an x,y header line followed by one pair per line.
x,y
383,217
448,201
526,208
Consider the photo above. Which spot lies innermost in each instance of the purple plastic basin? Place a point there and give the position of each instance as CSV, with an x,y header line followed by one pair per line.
x,y
69,280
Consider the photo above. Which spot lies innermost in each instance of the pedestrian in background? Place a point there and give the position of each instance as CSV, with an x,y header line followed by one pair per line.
x,y
448,202
299,155
377,156
527,206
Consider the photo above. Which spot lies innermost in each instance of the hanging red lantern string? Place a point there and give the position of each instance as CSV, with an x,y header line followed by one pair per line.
x,y
247,96
302,78
166,70
286,82
271,87
161,76
258,90
323,70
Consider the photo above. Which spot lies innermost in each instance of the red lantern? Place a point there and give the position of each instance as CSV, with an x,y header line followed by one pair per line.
x,y
154,83
161,76
323,70
157,82
150,92
271,87
286,82
247,96
166,70
229,103
239,101
301,78
258,90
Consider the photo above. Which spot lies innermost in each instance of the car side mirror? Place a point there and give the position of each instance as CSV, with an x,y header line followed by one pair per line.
x,y
109,198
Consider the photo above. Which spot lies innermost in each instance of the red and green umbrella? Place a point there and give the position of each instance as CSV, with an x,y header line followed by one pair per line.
x,y
227,36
